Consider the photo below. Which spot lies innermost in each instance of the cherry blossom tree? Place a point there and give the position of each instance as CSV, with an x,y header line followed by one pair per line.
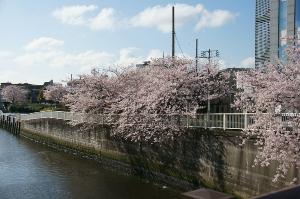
x,y
269,92
146,104
14,94
90,95
55,92
152,101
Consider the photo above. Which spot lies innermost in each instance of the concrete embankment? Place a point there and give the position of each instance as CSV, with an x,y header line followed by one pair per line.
x,y
199,158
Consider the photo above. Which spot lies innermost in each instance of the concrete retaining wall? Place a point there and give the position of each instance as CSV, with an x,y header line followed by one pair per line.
x,y
212,159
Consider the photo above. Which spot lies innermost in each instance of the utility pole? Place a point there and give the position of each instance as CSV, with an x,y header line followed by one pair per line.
x,y
196,55
173,32
209,54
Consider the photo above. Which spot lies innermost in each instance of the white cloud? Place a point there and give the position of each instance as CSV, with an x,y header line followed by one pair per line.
x,y
154,53
83,61
129,56
160,17
36,58
214,19
73,15
56,59
34,65
8,75
44,43
106,19
5,54
37,67
222,64
248,62
5,61
77,15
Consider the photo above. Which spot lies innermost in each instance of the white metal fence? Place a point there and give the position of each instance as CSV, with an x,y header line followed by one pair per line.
x,y
212,120
224,121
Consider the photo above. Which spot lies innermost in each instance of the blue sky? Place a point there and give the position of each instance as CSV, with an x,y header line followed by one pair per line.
x,y
51,39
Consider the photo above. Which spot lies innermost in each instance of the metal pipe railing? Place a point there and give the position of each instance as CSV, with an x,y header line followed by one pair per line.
x,y
212,120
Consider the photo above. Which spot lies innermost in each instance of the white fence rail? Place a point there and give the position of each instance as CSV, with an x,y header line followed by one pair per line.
x,y
212,120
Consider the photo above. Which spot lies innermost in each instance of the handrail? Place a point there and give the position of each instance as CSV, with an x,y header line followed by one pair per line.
x,y
224,121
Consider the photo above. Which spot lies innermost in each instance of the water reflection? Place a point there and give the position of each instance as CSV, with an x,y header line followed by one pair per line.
x,y
29,170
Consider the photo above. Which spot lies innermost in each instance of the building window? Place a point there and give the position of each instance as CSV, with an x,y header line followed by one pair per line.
x,y
282,28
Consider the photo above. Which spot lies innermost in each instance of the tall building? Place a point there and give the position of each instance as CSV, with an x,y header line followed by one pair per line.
x,y
283,18
275,21
262,32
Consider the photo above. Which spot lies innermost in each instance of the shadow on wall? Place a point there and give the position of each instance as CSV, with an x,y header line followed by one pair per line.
x,y
196,157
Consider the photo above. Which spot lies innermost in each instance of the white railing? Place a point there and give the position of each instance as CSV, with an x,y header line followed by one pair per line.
x,y
212,120
221,120
60,115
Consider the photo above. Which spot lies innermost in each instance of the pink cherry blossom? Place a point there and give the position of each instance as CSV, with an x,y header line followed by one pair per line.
x,y
55,92
269,92
14,94
145,104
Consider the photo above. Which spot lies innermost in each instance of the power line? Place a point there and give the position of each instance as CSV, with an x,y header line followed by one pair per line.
x,y
178,43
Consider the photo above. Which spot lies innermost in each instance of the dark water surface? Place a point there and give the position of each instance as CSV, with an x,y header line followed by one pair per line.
x,y
30,170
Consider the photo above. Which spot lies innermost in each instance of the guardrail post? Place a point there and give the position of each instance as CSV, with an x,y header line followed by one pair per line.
x,y
246,120
18,117
205,120
187,121
224,121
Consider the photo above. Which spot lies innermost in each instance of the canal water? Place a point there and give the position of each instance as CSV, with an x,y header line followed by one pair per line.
x,y
29,170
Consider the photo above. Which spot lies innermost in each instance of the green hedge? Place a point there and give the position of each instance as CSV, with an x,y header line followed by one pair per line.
x,y
30,108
